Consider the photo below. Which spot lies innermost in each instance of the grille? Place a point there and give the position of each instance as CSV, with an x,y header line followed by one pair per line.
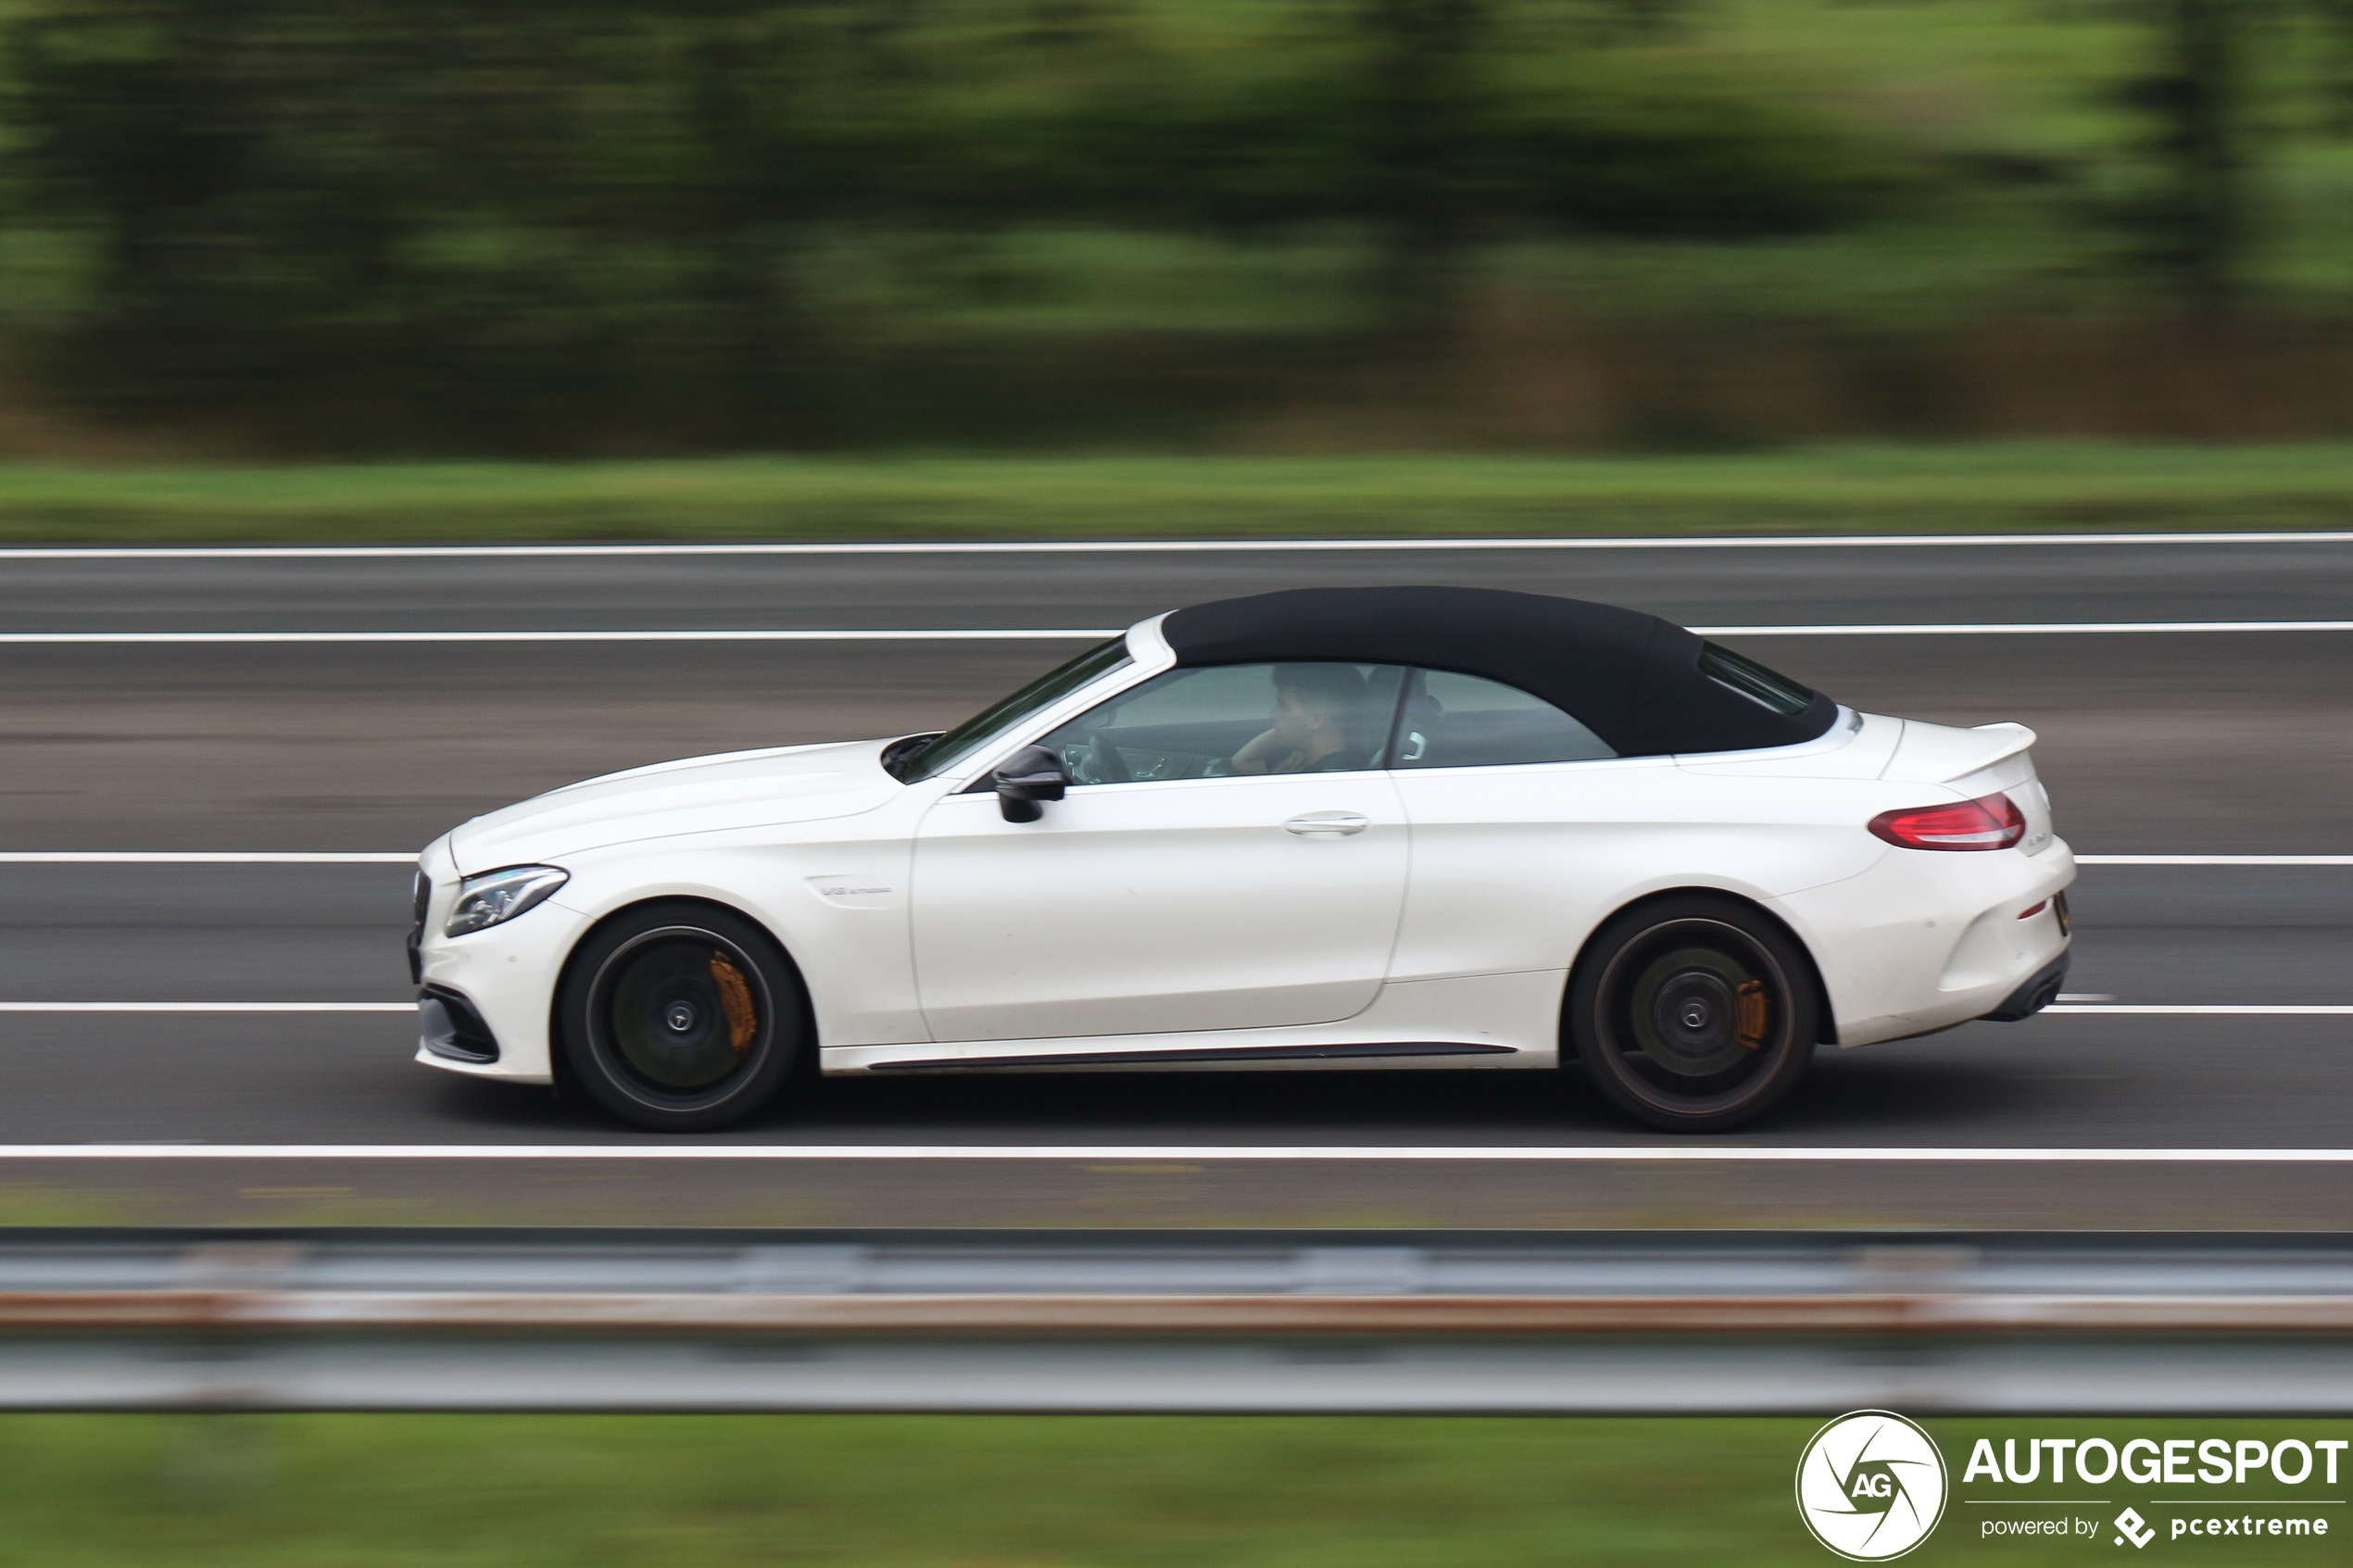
x,y
421,900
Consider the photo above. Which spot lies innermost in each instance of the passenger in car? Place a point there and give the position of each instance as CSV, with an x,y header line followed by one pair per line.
x,y
1319,708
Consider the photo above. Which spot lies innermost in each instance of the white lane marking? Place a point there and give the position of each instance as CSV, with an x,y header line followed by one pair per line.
x,y
404,858
1691,1153
202,858
2023,628
977,635
1155,546
999,634
2214,859
2223,1009
208,1007
2220,1010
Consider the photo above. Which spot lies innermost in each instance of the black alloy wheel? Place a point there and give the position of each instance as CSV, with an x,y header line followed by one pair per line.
x,y
681,1018
1693,1013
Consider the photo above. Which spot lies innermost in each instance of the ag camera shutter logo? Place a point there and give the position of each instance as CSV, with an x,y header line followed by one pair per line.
x,y
1871,1485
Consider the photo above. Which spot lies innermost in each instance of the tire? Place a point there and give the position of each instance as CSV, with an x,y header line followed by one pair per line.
x,y
1693,1013
681,1016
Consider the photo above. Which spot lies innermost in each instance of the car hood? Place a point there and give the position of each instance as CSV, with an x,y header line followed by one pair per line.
x,y
737,789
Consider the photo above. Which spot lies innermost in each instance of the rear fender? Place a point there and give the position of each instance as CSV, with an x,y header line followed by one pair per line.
x,y
1826,1032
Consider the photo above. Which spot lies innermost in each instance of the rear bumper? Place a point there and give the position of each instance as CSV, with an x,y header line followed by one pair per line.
x,y
2041,990
1921,942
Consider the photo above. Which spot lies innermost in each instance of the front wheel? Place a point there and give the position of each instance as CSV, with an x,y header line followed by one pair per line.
x,y
681,1018
1693,1013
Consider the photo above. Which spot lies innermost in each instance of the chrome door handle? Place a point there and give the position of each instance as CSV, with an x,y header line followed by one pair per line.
x,y
1331,824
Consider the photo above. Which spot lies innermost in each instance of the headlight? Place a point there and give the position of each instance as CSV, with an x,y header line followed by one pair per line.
x,y
493,896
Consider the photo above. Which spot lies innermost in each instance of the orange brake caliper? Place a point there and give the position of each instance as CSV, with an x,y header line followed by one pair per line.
x,y
1753,1018
743,1019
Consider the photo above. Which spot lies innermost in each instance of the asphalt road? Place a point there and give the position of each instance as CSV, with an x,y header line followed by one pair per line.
x,y
2210,742
2149,935
1774,586
2150,741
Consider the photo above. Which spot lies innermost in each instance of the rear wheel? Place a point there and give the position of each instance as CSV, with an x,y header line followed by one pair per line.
x,y
681,1016
1693,1013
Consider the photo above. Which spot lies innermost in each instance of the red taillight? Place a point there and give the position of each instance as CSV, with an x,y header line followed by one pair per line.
x,y
1990,822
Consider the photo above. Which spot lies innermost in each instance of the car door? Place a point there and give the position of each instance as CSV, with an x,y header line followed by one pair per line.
x,y
1523,823
1168,890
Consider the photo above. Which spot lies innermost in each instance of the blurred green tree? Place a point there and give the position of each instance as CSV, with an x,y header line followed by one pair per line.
x,y
2191,225
539,225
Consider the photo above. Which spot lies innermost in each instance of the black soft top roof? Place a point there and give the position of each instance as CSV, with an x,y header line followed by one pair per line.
x,y
1632,679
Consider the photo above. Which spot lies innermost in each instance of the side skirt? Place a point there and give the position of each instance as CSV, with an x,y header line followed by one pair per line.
x,y
1082,1060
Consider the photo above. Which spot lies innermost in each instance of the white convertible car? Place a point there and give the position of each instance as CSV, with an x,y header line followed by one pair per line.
x,y
1329,828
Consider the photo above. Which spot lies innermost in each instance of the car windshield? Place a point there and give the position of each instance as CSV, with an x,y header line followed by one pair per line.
x,y
998,717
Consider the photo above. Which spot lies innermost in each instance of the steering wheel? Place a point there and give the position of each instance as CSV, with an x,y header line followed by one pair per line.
x,y
1106,764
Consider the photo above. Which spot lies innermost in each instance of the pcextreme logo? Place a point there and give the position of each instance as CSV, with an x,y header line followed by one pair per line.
x,y
2205,1487
1871,1485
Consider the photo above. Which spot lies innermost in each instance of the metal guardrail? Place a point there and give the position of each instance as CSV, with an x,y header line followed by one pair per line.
x,y
1495,1322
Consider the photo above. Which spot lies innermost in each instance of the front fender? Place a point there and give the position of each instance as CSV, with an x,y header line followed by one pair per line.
x,y
838,910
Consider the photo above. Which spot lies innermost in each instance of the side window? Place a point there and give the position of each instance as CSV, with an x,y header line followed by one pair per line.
x,y
1235,719
1454,720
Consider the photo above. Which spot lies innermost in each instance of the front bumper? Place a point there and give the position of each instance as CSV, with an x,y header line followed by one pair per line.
x,y
504,975
451,1028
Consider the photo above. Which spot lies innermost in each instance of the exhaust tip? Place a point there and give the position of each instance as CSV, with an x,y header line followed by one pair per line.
x,y
2040,991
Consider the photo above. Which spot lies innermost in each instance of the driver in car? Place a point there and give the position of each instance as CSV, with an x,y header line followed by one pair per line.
x,y
1317,707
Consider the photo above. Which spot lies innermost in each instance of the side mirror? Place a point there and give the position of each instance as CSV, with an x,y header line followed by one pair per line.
x,y
1032,774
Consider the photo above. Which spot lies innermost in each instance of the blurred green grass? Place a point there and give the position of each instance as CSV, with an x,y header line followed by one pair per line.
x,y
1836,489
389,1491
